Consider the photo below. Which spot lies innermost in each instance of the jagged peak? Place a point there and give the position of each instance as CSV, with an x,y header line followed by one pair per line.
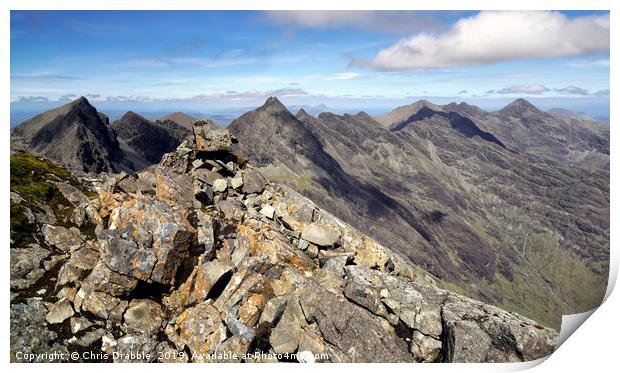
x,y
520,105
80,102
303,115
273,104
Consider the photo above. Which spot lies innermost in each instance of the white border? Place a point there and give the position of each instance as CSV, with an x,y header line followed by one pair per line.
x,y
593,346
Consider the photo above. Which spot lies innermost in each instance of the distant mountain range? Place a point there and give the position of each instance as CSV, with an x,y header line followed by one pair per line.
x,y
510,207
81,138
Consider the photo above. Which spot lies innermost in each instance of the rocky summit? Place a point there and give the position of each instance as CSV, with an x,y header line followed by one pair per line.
x,y
199,258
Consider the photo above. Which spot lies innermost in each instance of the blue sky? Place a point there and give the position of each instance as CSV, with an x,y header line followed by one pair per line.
x,y
210,61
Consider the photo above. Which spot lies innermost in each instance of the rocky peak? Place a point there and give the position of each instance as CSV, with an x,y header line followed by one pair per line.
x,y
73,134
302,115
274,105
132,118
521,108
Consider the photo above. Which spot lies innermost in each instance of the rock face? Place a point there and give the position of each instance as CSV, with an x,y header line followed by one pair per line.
x,y
159,273
486,202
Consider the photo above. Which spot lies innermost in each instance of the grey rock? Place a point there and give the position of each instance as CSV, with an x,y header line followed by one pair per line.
x,y
135,349
211,140
253,182
79,323
220,185
236,182
359,336
144,315
424,348
319,234
77,267
239,329
59,311
124,256
30,335
88,338
287,333
273,310
65,239
267,211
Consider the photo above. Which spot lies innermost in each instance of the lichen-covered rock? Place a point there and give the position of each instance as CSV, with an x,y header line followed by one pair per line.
x,y
144,316
78,266
354,334
30,336
152,240
200,328
64,239
26,265
209,139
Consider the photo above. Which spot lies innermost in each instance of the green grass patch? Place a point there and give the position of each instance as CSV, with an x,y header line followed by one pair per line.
x,y
30,178
21,229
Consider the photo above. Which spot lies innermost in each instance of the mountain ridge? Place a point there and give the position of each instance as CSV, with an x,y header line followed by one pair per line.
x,y
200,259
446,190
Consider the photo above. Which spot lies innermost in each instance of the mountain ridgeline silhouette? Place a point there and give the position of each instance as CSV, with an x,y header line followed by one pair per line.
x,y
510,207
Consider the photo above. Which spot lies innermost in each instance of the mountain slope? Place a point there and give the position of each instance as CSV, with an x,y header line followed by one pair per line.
x,y
145,140
474,210
183,119
522,127
170,265
73,134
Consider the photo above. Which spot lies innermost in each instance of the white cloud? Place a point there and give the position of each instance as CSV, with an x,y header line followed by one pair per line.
x,y
601,93
496,36
67,97
378,20
572,90
31,99
337,76
253,94
219,61
590,63
533,89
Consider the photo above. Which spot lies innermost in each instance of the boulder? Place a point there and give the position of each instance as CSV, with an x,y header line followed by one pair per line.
x,y
220,185
154,238
267,211
200,328
206,276
212,140
359,336
253,182
144,316
64,239
319,234
125,256
59,311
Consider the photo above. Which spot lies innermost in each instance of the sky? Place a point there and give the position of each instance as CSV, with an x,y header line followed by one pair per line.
x,y
219,61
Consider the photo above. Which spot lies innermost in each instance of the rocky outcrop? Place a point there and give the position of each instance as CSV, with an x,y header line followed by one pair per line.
x,y
201,259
